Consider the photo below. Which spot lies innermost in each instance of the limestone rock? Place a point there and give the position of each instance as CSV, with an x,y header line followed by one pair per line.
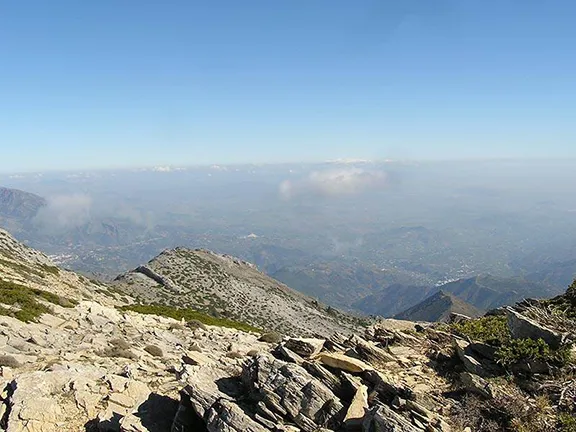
x,y
286,354
343,362
195,359
357,409
382,418
288,390
475,384
471,364
226,416
305,347
522,327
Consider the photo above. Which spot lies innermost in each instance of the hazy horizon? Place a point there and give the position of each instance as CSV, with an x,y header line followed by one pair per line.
x,y
161,168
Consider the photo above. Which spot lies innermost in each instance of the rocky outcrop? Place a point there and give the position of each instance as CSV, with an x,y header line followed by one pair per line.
x,y
522,327
162,280
305,347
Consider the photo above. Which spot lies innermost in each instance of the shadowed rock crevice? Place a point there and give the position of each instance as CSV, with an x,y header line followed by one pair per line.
x,y
5,406
186,419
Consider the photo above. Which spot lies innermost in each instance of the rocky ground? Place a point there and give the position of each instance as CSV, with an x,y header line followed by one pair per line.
x,y
95,368
73,359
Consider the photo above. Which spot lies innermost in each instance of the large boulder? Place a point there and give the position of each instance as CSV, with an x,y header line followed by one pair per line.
x,y
305,347
522,327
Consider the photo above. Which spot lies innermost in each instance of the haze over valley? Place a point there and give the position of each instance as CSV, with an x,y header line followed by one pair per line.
x,y
341,231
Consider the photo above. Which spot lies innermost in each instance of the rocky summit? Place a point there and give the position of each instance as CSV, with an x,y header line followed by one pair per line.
x,y
78,355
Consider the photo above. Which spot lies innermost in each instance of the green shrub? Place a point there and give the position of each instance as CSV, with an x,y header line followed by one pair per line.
x,y
491,329
51,269
153,350
189,315
518,350
271,337
25,299
566,422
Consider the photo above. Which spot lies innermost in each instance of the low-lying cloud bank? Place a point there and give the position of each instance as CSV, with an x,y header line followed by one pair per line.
x,y
63,212
334,183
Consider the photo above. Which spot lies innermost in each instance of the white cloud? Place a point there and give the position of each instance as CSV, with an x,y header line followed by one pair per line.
x,y
334,182
63,212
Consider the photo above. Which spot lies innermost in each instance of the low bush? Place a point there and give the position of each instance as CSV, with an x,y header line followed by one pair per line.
x,y
271,337
9,361
490,329
515,351
189,315
25,300
566,422
154,351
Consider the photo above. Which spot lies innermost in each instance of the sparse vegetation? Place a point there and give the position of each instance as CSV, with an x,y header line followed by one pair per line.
x,y
566,422
271,337
116,352
25,301
519,350
188,315
154,351
490,329
53,270
9,361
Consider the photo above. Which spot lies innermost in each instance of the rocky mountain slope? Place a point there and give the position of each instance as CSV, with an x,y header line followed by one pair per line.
x,y
84,362
393,299
225,286
438,307
484,292
21,266
18,209
19,204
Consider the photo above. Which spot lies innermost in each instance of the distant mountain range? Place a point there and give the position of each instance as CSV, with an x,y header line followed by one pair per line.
x,y
366,281
18,204
438,307
18,209
481,292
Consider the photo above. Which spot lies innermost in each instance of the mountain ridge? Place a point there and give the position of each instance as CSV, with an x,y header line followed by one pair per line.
x,y
438,308
223,285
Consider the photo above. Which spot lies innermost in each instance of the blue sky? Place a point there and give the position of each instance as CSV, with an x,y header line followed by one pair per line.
x,y
88,84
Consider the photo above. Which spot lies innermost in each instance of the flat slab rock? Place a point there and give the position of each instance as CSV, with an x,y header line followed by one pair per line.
x,y
343,362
